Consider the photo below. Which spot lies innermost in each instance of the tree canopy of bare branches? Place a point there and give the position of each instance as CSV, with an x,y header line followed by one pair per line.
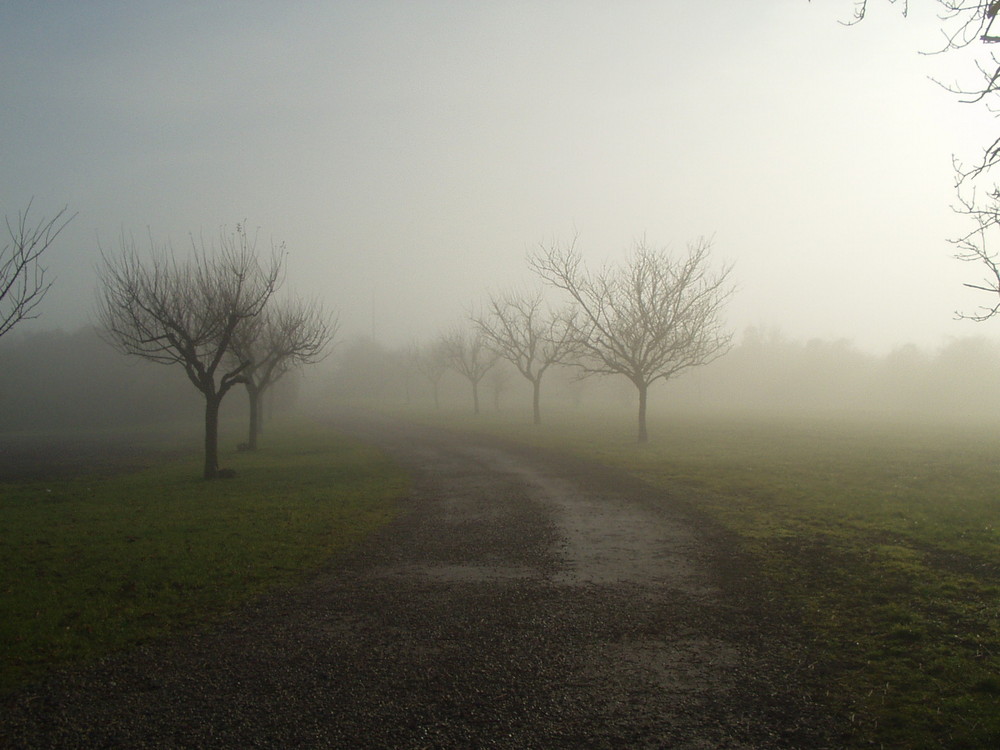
x,y
288,333
648,318
468,355
22,277
520,329
965,23
185,311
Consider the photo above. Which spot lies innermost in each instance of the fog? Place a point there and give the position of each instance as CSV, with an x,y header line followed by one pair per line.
x,y
52,380
765,374
408,155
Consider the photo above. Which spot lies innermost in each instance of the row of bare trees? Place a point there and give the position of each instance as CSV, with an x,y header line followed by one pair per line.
x,y
214,312
647,318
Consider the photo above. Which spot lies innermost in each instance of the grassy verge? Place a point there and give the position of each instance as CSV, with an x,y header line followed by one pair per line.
x,y
92,563
885,538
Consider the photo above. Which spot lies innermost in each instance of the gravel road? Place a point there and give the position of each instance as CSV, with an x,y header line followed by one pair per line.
x,y
519,601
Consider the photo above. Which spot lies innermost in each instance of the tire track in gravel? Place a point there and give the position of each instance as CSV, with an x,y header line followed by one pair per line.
x,y
519,601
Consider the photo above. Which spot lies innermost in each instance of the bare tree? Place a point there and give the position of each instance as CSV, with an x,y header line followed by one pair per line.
x,y
288,333
185,311
519,328
468,355
431,361
22,277
649,318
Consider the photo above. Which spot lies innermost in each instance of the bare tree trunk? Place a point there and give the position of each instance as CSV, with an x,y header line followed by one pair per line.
x,y
535,400
212,436
475,396
254,394
643,434
437,398
264,409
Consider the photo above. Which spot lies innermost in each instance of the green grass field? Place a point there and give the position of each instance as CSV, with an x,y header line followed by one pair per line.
x,y
881,537
96,562
884,538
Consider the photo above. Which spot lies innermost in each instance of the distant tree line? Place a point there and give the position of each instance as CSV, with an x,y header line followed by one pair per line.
x,y
57,380
771,373
764,372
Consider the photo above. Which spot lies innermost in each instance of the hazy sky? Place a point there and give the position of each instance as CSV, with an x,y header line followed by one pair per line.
x,y
409,153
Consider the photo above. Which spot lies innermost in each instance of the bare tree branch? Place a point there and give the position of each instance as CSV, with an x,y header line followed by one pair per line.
x,y
22,277
973,247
